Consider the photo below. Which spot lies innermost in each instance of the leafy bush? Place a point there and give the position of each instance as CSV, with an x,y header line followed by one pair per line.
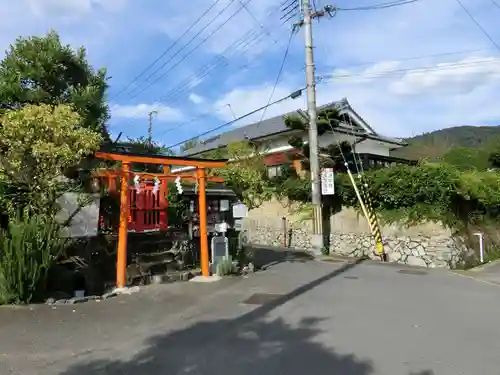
x,y
226,267
414,194
29,246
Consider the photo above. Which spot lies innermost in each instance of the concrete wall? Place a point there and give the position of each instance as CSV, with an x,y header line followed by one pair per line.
x,y
430,245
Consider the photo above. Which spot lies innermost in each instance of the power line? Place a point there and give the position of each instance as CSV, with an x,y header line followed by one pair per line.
x,y
483,30
389,4
496,3
292,95
187,84
409,58
194,119
280,71
168,49
190,81
192,50
450,66
216,61
205,70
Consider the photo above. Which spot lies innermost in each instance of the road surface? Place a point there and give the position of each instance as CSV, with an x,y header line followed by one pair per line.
x,y
316,318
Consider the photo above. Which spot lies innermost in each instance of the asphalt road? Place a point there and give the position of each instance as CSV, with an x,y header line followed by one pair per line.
x,y
323,318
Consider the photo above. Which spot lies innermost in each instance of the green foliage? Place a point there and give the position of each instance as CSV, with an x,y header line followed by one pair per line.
x,y
245,174
142,145
41,70
464,158
494,159
30,245
37,144
226,267
331,156
189,144
414,194
177,209
432,146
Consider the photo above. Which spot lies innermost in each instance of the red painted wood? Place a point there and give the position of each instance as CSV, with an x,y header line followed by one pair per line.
x,y
148,210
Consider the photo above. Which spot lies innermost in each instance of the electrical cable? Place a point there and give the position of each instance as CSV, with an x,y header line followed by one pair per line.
x,y
203,41
409,70
419,57
385,5
168,49
292,95
254,17
496,3
280,71
187,84
480,27
194,119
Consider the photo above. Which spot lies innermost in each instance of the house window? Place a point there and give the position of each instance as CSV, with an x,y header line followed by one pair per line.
x,y
275,171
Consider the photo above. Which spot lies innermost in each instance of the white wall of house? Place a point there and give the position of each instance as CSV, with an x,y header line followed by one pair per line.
x,y
280,143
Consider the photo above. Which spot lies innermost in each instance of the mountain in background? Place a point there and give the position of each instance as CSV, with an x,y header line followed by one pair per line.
x,y
435,144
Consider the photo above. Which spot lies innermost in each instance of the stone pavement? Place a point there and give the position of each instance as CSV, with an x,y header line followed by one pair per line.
x,y
325,318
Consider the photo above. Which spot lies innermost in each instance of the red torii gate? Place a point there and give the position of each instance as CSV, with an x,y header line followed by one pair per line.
x,y
126,159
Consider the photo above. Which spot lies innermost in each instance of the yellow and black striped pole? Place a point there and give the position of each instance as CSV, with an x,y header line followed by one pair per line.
x,y
364,208
372,219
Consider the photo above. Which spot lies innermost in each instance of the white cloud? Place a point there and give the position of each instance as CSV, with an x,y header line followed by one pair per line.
x,y
446,78
227,23
402,104
196,99
244,100
139,111
62,8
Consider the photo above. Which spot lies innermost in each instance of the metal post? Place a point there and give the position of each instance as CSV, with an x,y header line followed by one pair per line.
x,y
317,240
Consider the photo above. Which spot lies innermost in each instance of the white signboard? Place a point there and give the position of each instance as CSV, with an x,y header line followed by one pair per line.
x,y
240,210
327,181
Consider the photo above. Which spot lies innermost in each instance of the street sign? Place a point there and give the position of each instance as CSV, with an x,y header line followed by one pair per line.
x,y
240,210
327,181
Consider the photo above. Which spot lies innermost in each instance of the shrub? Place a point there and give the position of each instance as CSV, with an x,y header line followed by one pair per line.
x,y
226,267
29,247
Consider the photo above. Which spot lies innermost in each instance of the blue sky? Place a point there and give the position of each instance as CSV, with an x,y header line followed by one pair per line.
x,y
442,70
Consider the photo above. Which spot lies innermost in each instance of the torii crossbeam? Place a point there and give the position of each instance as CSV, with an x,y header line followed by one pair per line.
x,y
128,158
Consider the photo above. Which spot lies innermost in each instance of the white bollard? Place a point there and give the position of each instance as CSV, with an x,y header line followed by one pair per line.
x,y
481,246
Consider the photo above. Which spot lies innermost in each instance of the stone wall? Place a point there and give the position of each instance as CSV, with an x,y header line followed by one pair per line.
x,y
429,245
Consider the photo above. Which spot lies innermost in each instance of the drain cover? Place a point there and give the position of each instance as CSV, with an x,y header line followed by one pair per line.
x,y
412,272
261,298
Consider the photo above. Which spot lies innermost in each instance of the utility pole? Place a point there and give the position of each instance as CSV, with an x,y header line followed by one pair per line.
x,y
307,16
150,128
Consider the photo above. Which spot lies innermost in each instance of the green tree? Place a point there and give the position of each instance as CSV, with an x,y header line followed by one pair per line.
x,y
245,173
142,145
38,143
465,158
189,144
41,70
331,156
494,159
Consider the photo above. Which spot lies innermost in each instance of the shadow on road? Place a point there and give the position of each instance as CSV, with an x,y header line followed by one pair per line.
x,y
264,257
250,344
